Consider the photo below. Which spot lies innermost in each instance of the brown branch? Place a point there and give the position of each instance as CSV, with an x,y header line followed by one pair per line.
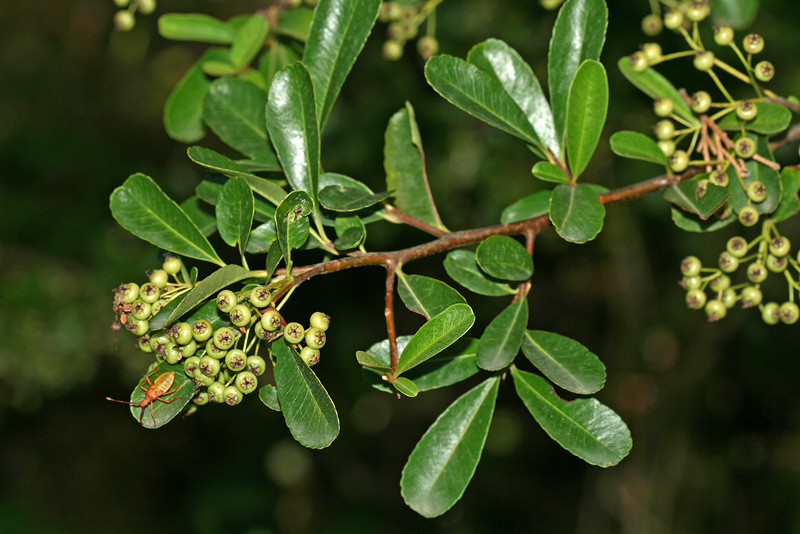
x,y
391,269
792,135
784,102
413,221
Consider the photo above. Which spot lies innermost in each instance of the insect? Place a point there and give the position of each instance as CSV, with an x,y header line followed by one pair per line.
x,y
158,388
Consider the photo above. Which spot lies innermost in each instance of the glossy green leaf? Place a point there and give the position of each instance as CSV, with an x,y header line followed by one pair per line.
x,y
790,204
502,339
584,427
739,14
405,386
274,58
576,212
578,35
544,170
404,162
234,110
248,41
274,256
342,198
338,33
480,94
437,334
217,162
518,80
564,361
426,296
183,111
235,208
350,232
684,195
268,394
163,412
291,223
142,208
219,68
462,267
505,258
293,127
262,237
534,205
635,145
690,223
210,188
211,285
295,23
306,406
201,214
367,215
587,106
442,464
654,85
368,360
771,119
756,171
195,27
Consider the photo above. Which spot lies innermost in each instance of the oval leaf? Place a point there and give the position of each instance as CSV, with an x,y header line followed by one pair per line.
x,y
684,195
576,212
534,205
405,386
235,209
426,296
502,339
142,208
166,407
586,114
790,204
635,145
351,232
262,237
248,41
291,223
504,257
771,119
544,170
564,361
195,27
268,394
442,464
462,267
342,198
654,85
436,335
584,427
306,406
689,223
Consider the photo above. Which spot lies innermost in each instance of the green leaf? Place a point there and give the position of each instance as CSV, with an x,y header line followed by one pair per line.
x,y
576,212
502,339
217,162
544,170
163,412
684,195
756,171
274,58
262,237
306,406
351,232
653,84
505,258
367,215
442,464
738,14
210,188
291,223
405,386
342,198
534,205
295,23
368,360
564,361
142,208
293,127
235,209
584,427
274,256
183,111
480,94
771,119
219,279
693,224
790,205
426,296
201,215
462,267
219,68
248,41
586,114
338,33
234,110
404,162
518,80
195,27
269,396
436,335
634,145
578,35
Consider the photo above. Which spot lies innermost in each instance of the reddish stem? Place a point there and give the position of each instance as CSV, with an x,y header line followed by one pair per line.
x,y
391,269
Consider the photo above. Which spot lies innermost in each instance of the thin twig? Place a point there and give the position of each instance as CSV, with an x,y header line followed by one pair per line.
x,y
416,223
391,269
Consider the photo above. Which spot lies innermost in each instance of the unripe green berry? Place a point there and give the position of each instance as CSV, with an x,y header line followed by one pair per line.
x,y
753,43
246,382
256,365
756,272
746,110
149,292
715,310
320,320
202,330
190,364
697,11
652,25
723,35
138,327
232,395
729,298
720,283
692,282
157,305
737,246
124,21
745,148
751,296
427,46
240,315
315,338
214,351
216,392
789,312
160,278
673,19
172,265
260,297
172,353
664,129
748,216
310,356
146,6
236,360
777,264
667,146
718,177
756,190
224,338
728,263
780,246
390,11
181,333
702,187
695,299
144,344
691,265
652,51
202,380
639,62
189,348
159,344
392,50
701,102
771,313
704,61
140,310
201,398
226,300
121,3
271,320
130,292
294,332
679,161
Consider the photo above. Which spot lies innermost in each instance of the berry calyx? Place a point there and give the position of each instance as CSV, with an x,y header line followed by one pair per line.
x,y
748,216
756,190
695,299
652,25
746,110
779,246
226,300
679,161
294,332
789,312
701,102
751,296
691,265
764,71
753,43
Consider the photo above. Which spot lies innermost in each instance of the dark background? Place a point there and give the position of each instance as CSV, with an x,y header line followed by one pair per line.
x,y
713,408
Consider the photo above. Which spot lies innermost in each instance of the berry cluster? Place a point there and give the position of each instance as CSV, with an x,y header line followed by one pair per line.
x,y
124,19
404,22
768,253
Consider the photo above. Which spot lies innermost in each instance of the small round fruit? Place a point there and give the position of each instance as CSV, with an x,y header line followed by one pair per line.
x,y
320,320
149,292
748,216
232,395
704,61
121,3
652,51
130,292
138,327
777,264
271,320
751,296
226,300
667,146
181,333
427,46
315,338
310,356
701,102
729,298
144,344
209,366
256,365
789,312
260,297
756,272
679,161
639,62
771,313
779,246
746,110
718,177
159,344
697,11
727,262
202,330
663,107
737,246
294,332
146,6
756,190
259,331
652,25
691,265
190,364
214,351
715,310
753,43
673,19
224,338
764,71
692,282
723,35
702,187
160,278
124,21
216,392
157,305
201,398
695,299
202,380
246,382
141,310
189,348
745,147
172,265
392,50
664,129
172,354
236,360
240,315
720,283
